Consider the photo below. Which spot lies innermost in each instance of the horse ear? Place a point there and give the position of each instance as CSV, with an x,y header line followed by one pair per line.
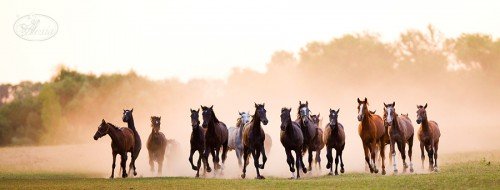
x,y
385,105
300,102
425,106
418,107
159,118
359,101
393,104
338,110
366,100
198,110
211,107
255,105
103,121
307,103
263,104
201,106
132,110
319,114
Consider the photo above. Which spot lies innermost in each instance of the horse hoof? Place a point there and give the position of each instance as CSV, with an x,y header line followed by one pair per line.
x,y
197,176
292,170
330,173
261,166
336,173
194,168
383,172
304,170
260,177
436,169
243,176
411,170
375,171
209,169
342,170
111,177
328,166
395,172
135,173
124,175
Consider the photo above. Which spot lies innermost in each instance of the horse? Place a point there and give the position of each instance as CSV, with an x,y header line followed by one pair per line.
x,y
197,143
292,140
129,119
268,143
372,133
334,137
308,129
318,144
428,135
122,141
236,136
216,136
400,133
253,140
157,144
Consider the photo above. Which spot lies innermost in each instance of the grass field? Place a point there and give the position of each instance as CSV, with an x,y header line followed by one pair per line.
x,y
481,174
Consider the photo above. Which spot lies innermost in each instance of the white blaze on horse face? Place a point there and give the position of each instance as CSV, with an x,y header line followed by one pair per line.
x,y
303,111
245,117
360,110
389,114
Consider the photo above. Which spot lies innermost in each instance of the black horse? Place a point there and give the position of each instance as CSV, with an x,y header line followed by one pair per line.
x,y
309,130
197,142
292,139
334,137
253,140
129,119
216,137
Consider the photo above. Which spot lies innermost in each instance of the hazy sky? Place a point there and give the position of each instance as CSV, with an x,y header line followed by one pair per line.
x,y
186,39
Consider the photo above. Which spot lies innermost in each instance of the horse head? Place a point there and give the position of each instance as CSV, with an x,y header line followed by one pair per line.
x,y
155,123
127,115
389,113
334,117
244,117
102,130
285,118
421,113
195,121
362,109
260,113
208,115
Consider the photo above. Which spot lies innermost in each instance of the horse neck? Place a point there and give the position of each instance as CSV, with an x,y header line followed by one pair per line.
x,y
335,129
425,125
366,120
395,124
241,125
256,121
289,127
130,123
113,133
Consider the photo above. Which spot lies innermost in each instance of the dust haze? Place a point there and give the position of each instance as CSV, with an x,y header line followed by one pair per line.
x,y
464,106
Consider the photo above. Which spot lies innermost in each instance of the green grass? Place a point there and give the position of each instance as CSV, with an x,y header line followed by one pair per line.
x,y
462,175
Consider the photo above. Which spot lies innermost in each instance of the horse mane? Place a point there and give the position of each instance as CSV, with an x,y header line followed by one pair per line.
x,y
112,125
239,122
215,117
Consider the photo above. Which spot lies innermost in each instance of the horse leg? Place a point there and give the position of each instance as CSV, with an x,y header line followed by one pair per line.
x,y
160,166
113,166
430,154
123,164
382,155
393,156
151,163
318,160
373,148
256,155
224,154
191,152
402,150
303,166
309,158
341,159
238,156
329,159
410,146
205,155
436,145
337,157
422,157
367,158
264,157
132,162
245,161
298,162
289,161
198,163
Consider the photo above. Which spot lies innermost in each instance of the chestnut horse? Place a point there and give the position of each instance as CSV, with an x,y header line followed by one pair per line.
x,y
236,135
129,119
318,144
428,135
253,140
122,141
372,132
309,129
157,144
291,138
334,137
216,137
197,143
400,133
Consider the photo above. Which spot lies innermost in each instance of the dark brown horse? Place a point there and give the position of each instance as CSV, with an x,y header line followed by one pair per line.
x,y
428,134
309,129
129,119
197,142
216,136
400,133
317,143
253,140
157,144
292,140
372,132
334,137
122,141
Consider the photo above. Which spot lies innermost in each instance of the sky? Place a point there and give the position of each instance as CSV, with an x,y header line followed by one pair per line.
x,y
193,39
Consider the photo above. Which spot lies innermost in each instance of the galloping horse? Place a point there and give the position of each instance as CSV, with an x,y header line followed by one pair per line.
x,y
216,137
122,141
129,119
308,129
236,135
197,143
318,144
400,133
291,138
253,140
334,137
428,134
372,132
157,144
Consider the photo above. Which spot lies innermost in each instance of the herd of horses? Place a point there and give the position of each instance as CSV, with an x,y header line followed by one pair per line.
x,y
302,135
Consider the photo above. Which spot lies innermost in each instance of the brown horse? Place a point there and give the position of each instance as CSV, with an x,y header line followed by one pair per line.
x,y
216,137
291,138
197,143
309,129
372,132
400,133
253,140
157,143
334,137
122,141
317,144
428,134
